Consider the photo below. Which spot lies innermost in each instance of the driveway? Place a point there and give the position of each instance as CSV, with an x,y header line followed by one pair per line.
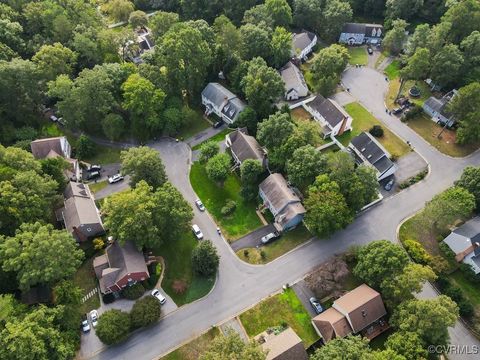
x,y
204,135
304,294
113,188
253,239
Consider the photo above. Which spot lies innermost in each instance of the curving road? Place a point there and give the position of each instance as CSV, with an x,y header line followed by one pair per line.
x,y
241,285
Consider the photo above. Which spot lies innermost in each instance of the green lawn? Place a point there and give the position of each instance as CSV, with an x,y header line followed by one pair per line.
x,y
194,126
363,121
287,242
105,155
85,279
178,270
393,69
470,289
95,187
195,348
217,138
243,220
358,55
274,311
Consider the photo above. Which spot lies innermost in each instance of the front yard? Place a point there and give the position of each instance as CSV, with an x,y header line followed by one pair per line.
x,y
243,220
358,55
287,242
277,310
194,126
195,348
85,279
364,121
97,186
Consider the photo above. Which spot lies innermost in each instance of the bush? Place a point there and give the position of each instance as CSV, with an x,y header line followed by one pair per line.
x,y
376,131
85,147
133,292
144,312
229,208
417,252
414,111
263,255
113,326
469,274
98,243
205,259
155,271
246,253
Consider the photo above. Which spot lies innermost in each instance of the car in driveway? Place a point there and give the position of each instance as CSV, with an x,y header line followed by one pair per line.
x,y
397,111
115,178
200,205
94,317
389,185
94,168
85,325
269,237
93,175
158,295
316,305
197,232
370,51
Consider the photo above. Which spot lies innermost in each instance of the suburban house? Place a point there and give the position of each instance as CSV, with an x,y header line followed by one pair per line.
x,y
144,42
333,119
80,214
285,345
282,201
222,102
243,146
367,150
360,310
303,44
294,82
437,109
119,267
464,241
358,34
56,147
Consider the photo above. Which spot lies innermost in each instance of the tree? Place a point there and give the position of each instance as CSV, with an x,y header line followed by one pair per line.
x,y
470,47
85,147
466,108
10,35
464,16
261,85
326,208
205,259
395,37
308,14
380,261
218,168
173,120
327,67
260,16
430,318
255,41
55,167
281,46
231,346
40,255
418,65
113,126
419,39
53,60
144,312
403,9
138,19
161,22
113,326
208,150
305,165
275,130
143,163
248,118
250,171
119,9
446,65
407,344
335,14
18,160
470,180
350,347
280,11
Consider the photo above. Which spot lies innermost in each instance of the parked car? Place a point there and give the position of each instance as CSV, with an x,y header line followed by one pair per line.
x,y
158,295
197,232
115,178
269,237
199,204
217,124
61,121
94,317
94,168
316,305
93,175
389,185
85,325
53,118
397,111
370,50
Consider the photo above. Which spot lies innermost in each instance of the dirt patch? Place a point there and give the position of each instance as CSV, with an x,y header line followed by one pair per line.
x,y
329,278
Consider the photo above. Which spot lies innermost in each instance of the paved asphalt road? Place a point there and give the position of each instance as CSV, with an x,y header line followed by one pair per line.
x,y
241,285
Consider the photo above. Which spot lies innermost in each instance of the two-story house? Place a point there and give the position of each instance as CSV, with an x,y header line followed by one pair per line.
x,y
243,146
222,102
303,44
358,34
294,82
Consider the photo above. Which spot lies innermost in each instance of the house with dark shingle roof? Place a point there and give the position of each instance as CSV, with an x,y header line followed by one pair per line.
x,y
368,151
285,345
333,119
294,82
437,109
120,266
243,146
358,34
222,102
303,44
464,241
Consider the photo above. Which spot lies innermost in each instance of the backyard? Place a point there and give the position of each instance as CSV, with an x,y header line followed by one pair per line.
x,y
287,242
85,279
358,55
277,310
195,348
243,220
394,87
364,121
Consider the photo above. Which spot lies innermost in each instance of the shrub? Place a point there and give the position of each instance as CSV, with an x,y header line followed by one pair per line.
x,y
245,253
144,312
133,292
414,111
263,255
113,326
85,147
108,298
469,274
155,271
439,265
376,131
417,252
229,208
98,243
205,259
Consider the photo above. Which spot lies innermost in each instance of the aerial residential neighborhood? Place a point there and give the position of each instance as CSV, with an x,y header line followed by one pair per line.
x,y
231,179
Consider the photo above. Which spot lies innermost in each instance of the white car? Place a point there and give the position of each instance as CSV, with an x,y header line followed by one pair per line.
x,y
53,118
158,295
273,235
94,317
199,204
85,326
198,233
115,178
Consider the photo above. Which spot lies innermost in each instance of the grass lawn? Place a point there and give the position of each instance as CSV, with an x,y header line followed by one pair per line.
x,y
470,289
194,126
429,130
105,155
363,121
178,269
410,230
425,92
287,242
195,348
85,279
393,70
95,187
358,55
243,220
393,88
217,138
274,311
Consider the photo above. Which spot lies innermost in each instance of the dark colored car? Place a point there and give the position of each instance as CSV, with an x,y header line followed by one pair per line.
x,y
93,175
217,124
389,185
316,305
397,111
370,51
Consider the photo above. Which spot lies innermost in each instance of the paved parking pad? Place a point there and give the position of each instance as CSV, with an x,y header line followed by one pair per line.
x,y
253,239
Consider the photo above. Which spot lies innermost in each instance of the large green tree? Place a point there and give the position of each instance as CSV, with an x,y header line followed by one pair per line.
x,y
53,60
231,346
350,347
218,167
208,150
281,46
308,14
447,65
250,171
255,41
418,65
403,9
327,67
470,180
161,22
119,10
205,259
143,163
275,130
305,165
407,344
395,38
113,326
335,14
466,109
464,16
280,11
144,312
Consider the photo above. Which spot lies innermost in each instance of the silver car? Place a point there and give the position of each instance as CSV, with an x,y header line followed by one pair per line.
x,y
197,232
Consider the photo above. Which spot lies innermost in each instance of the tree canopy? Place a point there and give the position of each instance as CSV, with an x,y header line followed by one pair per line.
x,y
143,163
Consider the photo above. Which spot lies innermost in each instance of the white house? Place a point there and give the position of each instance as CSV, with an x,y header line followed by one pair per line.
x,y
303,44
358,34
222,102
333,119
367,150
437,109
294,82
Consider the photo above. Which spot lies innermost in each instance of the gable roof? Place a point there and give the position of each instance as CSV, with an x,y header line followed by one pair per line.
x,y
435,104
465,239
286,345
359,28
277,191
372,151
331,323
292,77
289,213
245,146
328,109
223,99
302,40
43,148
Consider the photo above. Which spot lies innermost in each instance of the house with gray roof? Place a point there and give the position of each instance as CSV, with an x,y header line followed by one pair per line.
x,y
358,34
464,241
333,119
294,82
284,345
438,111
243,146
303,44
222,102
80,214
368,151
120,266
282,201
